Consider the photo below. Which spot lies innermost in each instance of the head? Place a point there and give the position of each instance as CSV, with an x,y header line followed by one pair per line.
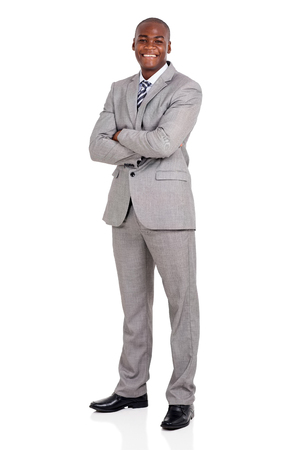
x,y
151,45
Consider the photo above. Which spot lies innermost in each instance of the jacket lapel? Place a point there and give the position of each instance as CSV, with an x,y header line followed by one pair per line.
x,y
162,82
131,97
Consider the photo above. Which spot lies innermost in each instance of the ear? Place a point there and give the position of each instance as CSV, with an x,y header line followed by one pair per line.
x,y
133,44
169,47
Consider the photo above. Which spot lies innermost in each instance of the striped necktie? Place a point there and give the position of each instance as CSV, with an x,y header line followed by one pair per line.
x,y
142,92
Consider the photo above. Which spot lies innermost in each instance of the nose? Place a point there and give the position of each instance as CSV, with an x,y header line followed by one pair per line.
x,y
150,45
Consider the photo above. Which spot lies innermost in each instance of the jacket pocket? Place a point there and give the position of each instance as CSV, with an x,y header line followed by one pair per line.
x,y
171,175
116,172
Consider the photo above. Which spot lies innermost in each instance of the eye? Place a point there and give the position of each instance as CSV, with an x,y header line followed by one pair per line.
x,y
159,42
142,40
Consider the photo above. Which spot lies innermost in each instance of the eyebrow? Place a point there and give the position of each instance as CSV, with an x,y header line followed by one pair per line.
x,y
155,37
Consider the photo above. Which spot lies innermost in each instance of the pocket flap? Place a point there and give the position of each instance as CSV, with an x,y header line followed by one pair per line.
x,y
171,175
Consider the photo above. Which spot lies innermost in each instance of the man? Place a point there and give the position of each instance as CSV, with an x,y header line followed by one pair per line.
x,y
143,129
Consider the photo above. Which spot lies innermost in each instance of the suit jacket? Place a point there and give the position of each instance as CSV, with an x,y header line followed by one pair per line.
x,y
156,134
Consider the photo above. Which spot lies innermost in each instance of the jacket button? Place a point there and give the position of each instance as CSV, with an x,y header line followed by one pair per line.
x,y
132,174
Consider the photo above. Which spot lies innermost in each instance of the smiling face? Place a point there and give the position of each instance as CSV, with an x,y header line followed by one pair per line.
x,y
151,45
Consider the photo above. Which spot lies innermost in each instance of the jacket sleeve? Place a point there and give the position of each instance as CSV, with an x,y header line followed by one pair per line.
x,y
102,147
174,127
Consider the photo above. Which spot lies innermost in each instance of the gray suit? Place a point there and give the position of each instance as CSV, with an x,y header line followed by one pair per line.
x,y
158,229
163,123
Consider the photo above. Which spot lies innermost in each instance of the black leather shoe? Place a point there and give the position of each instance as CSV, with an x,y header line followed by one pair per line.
x,y
115,402
178,416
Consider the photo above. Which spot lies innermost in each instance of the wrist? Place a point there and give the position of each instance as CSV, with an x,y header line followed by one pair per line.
x,y
115,136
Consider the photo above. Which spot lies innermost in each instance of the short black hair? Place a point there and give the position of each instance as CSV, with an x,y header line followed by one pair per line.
x,y
155,19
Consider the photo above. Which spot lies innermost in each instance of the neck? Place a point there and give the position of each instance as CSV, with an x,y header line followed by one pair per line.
x,y
148,74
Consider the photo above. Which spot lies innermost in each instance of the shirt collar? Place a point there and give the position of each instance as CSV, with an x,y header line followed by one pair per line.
x,y
155,76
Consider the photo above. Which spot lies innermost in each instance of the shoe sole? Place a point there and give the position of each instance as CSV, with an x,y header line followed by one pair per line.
x,y
130,405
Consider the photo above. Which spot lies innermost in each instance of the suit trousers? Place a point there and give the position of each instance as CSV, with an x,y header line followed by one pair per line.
x,y
137,250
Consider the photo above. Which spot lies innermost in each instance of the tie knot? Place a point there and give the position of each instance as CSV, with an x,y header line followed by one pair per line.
x,y
145,84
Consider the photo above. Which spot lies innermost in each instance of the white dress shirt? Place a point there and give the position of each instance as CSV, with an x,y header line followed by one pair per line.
x,y
154,77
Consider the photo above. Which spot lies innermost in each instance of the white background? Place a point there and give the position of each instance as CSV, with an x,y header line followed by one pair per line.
x,y
61,320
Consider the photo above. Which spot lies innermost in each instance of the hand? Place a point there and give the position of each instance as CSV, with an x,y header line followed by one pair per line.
x,y
115,136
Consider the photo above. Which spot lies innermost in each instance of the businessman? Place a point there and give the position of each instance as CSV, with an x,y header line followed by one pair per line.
x,y
143,130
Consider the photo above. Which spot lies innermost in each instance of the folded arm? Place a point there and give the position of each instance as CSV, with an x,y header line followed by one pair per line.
x,y
102,146
173,128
